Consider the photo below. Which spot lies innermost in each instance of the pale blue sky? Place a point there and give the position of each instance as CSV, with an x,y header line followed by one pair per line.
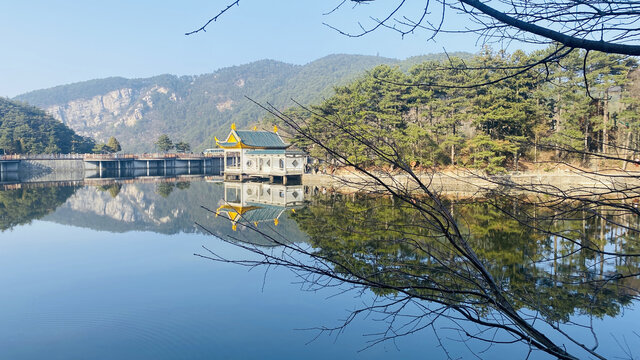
x,y
53,42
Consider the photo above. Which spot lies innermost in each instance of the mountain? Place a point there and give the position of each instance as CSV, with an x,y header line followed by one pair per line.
x,y
27,129
197,108
165,208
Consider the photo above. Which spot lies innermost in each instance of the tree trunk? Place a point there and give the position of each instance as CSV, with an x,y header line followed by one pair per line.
x,y
558,114
453,144
605,122
586,140
627,150
453,154
535,149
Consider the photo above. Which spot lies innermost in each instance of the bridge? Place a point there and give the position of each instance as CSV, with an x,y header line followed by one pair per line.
x,y
188,162
112,165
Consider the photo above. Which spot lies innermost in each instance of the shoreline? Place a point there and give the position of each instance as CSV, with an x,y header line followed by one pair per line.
x,y
468,182
449,182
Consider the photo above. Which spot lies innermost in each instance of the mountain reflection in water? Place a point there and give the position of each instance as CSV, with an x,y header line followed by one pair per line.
x,y
168,207
414,275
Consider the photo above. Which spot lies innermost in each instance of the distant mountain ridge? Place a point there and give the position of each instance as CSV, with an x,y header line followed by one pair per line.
x,y
197,108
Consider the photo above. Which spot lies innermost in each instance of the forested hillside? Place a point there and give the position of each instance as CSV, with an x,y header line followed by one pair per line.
x,y
474,114
197,108
26,129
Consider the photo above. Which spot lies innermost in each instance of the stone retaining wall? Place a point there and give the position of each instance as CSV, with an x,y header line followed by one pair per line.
x,y
467,183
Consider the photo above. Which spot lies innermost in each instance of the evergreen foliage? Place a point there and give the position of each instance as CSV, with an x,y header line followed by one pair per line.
x,y
26,129
434,114
164,143
182,146
101,149
114,145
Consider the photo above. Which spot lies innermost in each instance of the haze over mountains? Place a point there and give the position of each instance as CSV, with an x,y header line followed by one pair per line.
x,y
197,108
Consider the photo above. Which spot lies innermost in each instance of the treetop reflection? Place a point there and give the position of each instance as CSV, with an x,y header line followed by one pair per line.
x,y
548,272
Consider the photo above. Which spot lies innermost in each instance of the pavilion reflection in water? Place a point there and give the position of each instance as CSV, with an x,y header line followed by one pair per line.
x,y
252,203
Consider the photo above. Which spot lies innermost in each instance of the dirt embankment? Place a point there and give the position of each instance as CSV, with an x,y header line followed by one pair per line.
x,y
464,182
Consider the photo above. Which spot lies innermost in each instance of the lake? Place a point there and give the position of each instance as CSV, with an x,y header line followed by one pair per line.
x,y
112,271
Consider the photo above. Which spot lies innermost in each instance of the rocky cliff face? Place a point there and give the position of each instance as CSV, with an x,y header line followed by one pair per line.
x,y
191,109
194,109
101,115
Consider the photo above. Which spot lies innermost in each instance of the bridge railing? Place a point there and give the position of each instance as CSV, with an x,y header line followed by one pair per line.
x,y
42,156
109,156
158,156
176,155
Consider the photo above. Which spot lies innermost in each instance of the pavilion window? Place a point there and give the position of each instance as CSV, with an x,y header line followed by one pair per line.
x,y
233,159
233,195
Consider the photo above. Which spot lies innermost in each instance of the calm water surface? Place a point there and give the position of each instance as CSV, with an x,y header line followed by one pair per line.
x,y
109,272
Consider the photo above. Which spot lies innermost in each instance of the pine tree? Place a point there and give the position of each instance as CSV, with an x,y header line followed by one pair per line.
x,y
114,144
163,143
183,146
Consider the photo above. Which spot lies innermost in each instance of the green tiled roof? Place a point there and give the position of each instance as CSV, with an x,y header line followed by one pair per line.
x,y
266,151
264,213
264,139
274,152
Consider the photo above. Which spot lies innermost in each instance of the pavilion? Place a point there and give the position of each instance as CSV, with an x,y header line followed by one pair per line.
x,y
260,154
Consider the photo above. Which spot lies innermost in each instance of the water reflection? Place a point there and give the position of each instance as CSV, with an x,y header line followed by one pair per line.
x,y
21,206
563,270
168,205
257,202
150,172
550,271
9,177
376,234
